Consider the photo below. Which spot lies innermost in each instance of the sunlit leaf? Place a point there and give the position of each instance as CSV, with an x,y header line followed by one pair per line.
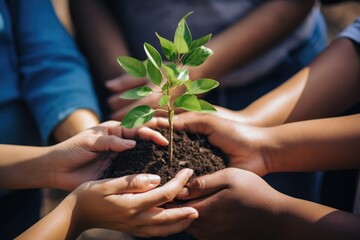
x,y
168,48
136,93
188,102
164,100
197,56
132,66
206,107
153,55
154,73
182,37
137,116
200,41
201,86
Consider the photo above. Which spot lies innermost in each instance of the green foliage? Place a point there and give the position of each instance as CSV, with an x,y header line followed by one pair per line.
x,y
182,53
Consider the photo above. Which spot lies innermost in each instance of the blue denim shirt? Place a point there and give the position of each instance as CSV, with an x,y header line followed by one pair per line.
x,y
43,77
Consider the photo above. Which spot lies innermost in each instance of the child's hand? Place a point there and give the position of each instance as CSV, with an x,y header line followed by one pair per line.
x,y
130,204
85,156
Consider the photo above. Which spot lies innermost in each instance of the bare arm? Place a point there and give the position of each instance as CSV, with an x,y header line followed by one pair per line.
x,y
252,36
246,207
323,144
329,86
102,40
128,204
76,122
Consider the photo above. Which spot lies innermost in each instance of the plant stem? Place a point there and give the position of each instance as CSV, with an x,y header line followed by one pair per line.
x,y
171,133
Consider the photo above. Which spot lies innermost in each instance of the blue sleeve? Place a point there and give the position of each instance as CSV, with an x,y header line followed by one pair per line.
x,y
54,76
353,31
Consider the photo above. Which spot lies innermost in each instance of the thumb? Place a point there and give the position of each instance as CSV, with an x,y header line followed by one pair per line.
x,y
204,185
113,143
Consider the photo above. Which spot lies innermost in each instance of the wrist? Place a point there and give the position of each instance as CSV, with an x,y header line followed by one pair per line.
x,y
70,212
268,146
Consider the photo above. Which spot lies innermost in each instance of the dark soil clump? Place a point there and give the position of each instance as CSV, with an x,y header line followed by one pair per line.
x,y
190,151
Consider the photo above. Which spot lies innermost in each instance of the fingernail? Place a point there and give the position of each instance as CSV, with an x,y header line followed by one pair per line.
x,y
129,143
154,179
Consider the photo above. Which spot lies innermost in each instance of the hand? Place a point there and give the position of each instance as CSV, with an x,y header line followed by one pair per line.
x,y
124,83
242,144
85,156
130,204
234,204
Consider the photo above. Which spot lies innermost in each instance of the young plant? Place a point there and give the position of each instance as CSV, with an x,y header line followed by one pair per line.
x,y
167,77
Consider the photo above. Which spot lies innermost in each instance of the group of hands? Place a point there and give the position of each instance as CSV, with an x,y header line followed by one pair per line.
x,y
134,204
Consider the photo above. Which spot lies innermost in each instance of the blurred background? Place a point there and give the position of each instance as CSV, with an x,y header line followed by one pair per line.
x,y
337,16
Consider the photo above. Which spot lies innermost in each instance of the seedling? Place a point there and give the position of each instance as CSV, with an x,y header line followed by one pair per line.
x,y
167,77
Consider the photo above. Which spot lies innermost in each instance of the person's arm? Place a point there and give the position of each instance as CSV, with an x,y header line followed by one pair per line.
x,y
55,80
66,165
128,204
102,40
327,87
321,144
262,29
77,121
246,207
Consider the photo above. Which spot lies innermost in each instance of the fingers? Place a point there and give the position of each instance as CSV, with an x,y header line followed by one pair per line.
x,y
164,193
124,83
155,136
129,184
204,185
112,143
163,230
159,216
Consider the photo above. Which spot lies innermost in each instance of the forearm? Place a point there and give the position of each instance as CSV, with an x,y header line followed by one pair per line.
x,y
76,122
307,220
102,40
328,87
272,20
323,144
58,225
19,165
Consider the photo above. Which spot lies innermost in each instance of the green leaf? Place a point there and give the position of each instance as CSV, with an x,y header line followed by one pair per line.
x,y
186,15
132,66
164,100
183,74
182,38
153,55
201,86
170,71
154,73
136,93
137,116
188,102
197,56
206,107
168,48
200,41
173,74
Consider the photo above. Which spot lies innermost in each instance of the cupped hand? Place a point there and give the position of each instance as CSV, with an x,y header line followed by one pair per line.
x,y
85,156
131,204
125,82
233,204
242,144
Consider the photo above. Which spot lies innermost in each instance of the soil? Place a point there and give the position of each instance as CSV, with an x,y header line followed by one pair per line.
x,y
190,151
